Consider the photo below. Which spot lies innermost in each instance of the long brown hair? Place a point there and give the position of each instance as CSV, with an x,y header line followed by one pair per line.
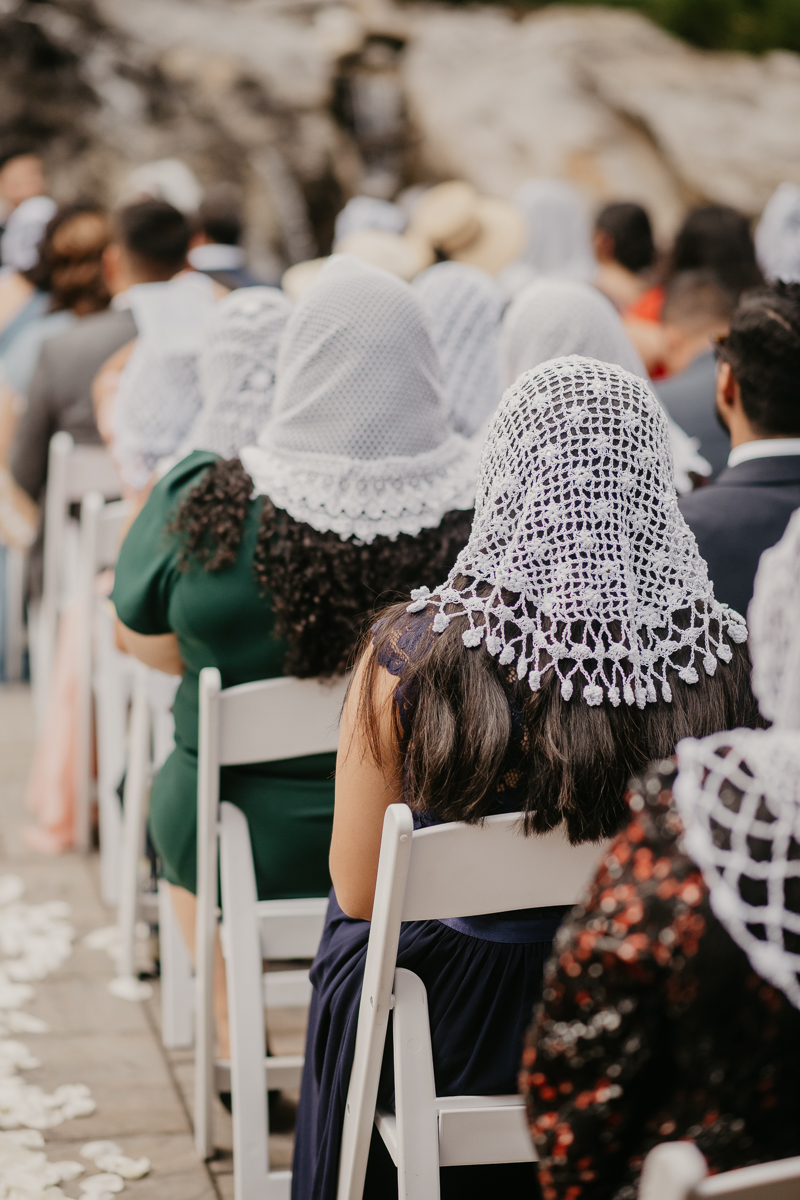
x,y
573,762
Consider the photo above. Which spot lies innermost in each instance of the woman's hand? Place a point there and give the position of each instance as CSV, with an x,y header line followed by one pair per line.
x,y
363,793
159,651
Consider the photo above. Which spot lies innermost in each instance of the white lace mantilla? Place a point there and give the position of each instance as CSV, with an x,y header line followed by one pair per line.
x,y
363,499
579,559
738,795
358,441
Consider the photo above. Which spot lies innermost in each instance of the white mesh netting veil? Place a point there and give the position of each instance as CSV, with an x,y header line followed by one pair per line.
x,y
358,442
237,369
579,559
738,793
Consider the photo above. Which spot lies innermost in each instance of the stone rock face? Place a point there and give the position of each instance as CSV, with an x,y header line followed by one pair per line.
x,y
603,98
304,102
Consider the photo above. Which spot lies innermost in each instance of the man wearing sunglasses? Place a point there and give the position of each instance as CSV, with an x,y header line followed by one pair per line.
x,y
748,507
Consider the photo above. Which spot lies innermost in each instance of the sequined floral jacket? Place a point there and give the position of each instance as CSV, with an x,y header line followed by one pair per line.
x,y
653,1026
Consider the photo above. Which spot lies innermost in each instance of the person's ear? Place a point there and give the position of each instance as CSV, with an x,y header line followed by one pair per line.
x,y
728,398
603,246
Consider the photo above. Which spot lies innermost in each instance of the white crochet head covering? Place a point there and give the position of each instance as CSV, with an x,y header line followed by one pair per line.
x,y
738,793
778,235
159,390
358,442
464,307
551,318
19,247
559,232
579,558
236,369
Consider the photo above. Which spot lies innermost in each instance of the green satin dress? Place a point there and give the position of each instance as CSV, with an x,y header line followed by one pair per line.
x,y
221,620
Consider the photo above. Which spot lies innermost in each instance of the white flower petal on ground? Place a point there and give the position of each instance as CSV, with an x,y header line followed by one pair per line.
x,y
120,1164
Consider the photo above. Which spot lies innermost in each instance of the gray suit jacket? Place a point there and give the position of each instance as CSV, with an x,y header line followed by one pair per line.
x,y
60,395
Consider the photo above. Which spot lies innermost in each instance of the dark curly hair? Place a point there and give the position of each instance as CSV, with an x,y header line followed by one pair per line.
x,y
324,590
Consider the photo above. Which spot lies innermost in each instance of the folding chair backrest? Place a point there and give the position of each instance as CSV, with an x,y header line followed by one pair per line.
x,y
451,870
460,870
678,1171
265,721
100,535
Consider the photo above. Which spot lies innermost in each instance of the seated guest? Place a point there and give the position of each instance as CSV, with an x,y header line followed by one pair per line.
x,y
464,306
697,310
712,238
670,1004
624,249
360,492
236,370
521,684
555,317
215,247
148,242
157,397
748,507
69,273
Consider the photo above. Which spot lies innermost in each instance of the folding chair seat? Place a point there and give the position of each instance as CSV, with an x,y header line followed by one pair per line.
x,y
678,1171
256,722
451,870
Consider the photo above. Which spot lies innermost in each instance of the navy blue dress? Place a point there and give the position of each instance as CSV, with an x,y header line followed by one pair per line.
x,y
483,976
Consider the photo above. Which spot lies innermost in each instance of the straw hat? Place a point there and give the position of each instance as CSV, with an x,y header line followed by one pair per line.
x,y
299,278
467,227
399,253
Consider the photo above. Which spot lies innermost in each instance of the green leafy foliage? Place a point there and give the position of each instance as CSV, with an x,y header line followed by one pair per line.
x,y
753,25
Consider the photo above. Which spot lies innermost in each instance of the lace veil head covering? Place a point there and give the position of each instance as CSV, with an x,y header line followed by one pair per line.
x,y
579,560
159,391
237,369
559,235
464,307
778,235
738,793
551,318
358,441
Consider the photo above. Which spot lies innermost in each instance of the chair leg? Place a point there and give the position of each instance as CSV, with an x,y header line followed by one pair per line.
x,y
177,985
241,943
133,822
415,1091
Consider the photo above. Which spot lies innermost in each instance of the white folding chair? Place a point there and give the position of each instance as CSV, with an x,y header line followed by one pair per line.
x,y
452,870
150,740
678,1171
12,611
72,471
100,536
256,722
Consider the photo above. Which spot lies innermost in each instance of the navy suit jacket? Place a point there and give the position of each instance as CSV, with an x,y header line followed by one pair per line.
x,y
739,516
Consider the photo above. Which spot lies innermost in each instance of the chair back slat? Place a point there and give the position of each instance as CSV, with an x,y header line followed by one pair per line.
x,y
274,719
109,533
766,1181
89,469
463,870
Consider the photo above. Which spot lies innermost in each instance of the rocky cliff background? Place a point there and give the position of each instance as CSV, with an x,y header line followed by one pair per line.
x,y
302,103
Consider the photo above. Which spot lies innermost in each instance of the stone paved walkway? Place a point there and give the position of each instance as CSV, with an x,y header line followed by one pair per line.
x,y
143,1093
